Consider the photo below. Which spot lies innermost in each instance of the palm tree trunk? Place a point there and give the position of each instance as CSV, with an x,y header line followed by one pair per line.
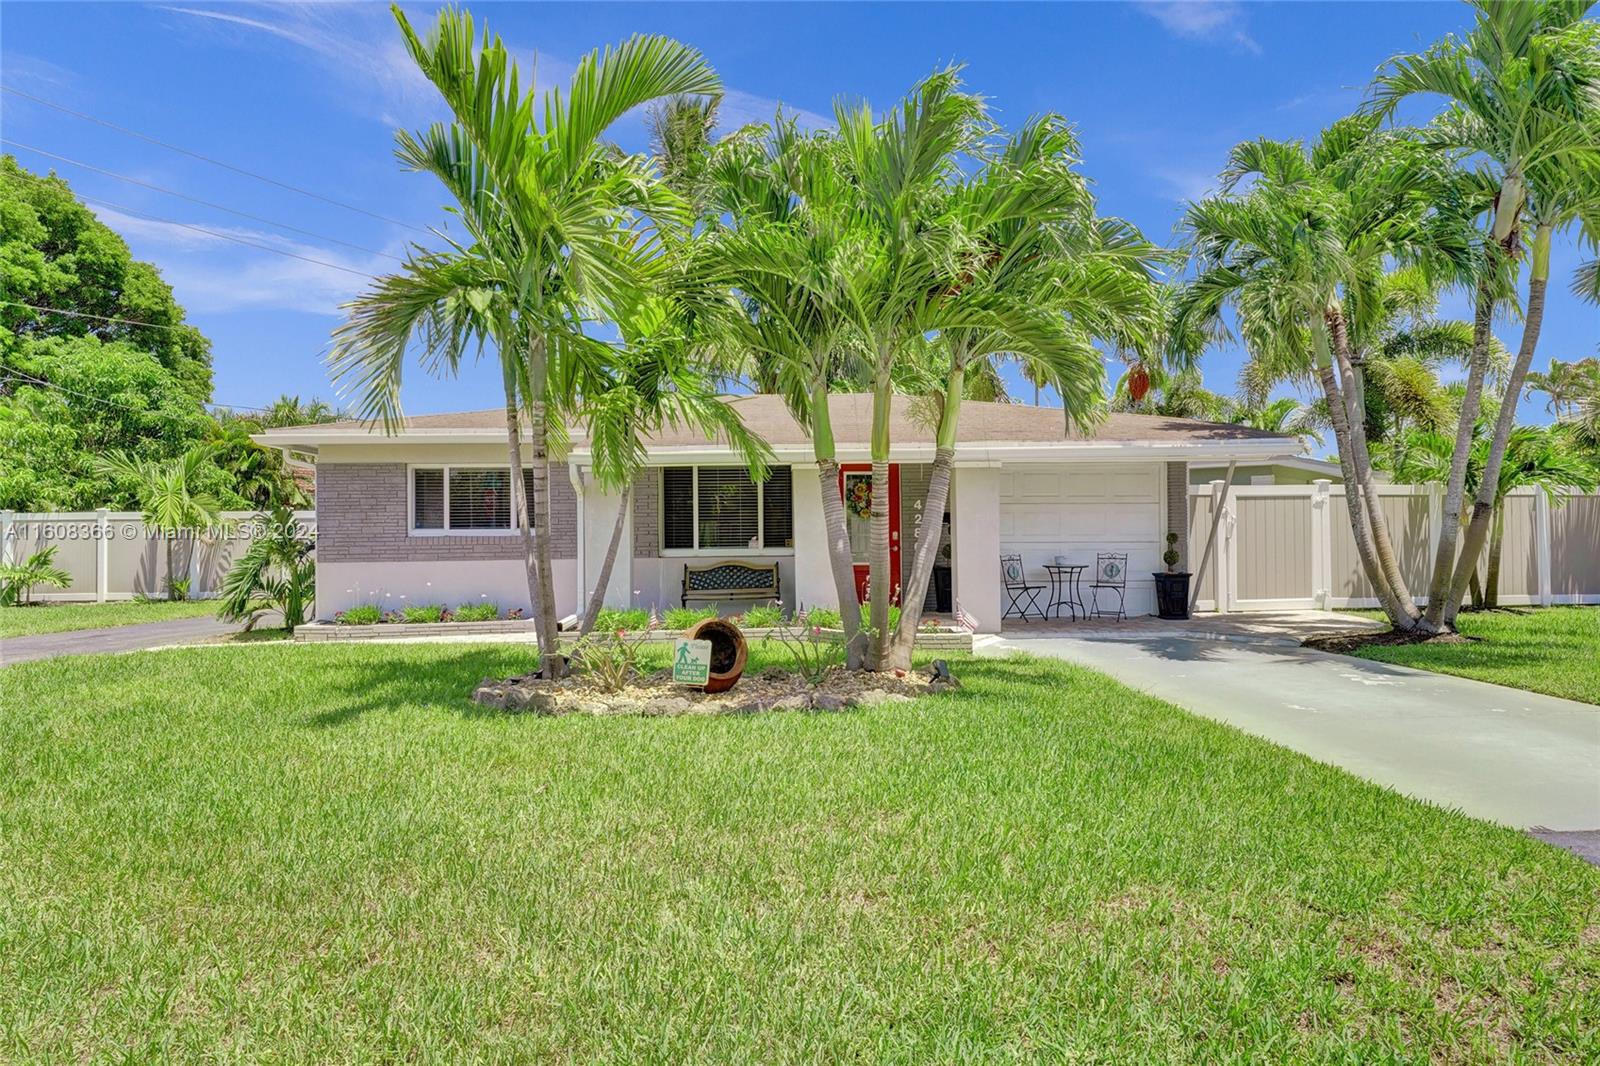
x,y
597,597
1355,416
172,589
933,508
835,527
1508,208
1485,502
520,505
1476,589
1352,484
1491,578
881,582
544,603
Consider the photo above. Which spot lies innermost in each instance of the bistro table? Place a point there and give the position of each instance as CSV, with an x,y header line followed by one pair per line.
x,y
1066,588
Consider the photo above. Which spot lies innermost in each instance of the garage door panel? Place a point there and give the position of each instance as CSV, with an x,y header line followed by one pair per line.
x,y
1079,510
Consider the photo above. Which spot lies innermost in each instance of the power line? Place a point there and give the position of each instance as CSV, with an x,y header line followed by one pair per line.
x,y
225,236
197,200
100,318
43,383
208,159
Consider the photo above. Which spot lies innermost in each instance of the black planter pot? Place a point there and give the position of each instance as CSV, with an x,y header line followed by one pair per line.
x,y
1172,595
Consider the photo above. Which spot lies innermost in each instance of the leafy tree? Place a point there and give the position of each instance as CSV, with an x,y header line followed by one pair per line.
x,y
56,255
276,573
171,498
17,580
558,229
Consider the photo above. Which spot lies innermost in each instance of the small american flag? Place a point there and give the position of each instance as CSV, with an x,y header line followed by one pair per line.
x,y
655,619
965,620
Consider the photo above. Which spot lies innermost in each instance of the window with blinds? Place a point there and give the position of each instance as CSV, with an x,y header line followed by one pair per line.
x,y
480,499
721,508
458,498
677,507
777,508
728,516
427,499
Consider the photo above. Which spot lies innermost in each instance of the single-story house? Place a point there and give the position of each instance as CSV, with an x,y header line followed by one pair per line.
x,y
423,515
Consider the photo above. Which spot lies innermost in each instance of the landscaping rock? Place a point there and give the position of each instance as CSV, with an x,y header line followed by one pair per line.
x,y
826,701
530,700
874,697
490,695
663,705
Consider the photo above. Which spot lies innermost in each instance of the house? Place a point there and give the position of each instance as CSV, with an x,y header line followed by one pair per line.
x,y
424,515
1279,470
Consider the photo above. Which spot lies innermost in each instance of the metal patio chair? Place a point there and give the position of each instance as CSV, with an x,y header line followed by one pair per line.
x,y
1110,574
1022,596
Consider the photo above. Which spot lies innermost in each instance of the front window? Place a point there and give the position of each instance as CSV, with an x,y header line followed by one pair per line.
x,y
463,498
720,508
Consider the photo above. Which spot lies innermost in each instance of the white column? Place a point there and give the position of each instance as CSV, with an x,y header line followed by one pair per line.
x,y
1541,546
1321,543
975,544
813,574
1223,511
599,509
102,554
7,522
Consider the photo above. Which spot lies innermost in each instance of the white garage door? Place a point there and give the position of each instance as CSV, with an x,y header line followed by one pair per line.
x,y
1079,509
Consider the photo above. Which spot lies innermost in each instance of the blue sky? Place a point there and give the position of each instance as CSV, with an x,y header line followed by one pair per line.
x,y
311,95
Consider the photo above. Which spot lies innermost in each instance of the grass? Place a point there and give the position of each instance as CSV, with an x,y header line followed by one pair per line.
x,y
69,617
1542,649
306,852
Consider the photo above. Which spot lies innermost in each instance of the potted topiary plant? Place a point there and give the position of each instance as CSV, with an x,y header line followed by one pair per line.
x,y
1172,587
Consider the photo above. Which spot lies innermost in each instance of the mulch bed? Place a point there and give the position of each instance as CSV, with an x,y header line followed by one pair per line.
x,y
655,694
1350,643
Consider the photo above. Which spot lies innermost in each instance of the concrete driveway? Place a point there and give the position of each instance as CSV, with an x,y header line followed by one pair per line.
x,y
115,638
1509,756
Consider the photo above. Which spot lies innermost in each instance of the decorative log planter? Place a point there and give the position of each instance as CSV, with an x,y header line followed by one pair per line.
x,y
728,651
1172,595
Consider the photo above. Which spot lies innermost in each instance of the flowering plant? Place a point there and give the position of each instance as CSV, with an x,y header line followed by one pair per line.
x,y
858,498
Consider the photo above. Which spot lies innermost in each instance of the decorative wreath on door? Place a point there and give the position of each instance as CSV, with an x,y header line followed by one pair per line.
x,y
858,497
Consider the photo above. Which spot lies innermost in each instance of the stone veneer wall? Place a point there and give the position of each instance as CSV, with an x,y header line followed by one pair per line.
x,y
647,514
1178,510
362,511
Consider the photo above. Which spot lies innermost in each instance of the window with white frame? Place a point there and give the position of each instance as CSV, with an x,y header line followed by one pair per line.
x,y
720,508
464,499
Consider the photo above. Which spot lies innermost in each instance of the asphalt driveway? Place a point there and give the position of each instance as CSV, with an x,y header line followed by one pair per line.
x,y
115,638
1518,758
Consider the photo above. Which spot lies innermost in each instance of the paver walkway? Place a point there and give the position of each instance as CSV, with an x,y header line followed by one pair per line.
x,y
1518,758
114,638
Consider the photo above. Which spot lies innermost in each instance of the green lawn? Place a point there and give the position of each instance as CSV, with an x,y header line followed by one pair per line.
x,y
327,853
67,617
1555,650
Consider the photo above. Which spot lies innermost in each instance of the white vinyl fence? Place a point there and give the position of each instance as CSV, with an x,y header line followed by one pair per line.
x,y
112,556
1282,547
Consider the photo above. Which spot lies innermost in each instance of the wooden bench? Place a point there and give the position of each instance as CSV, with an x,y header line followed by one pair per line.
x,y
730,580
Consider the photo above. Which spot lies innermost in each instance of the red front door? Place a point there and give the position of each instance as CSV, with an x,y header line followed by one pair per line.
x,y
855,486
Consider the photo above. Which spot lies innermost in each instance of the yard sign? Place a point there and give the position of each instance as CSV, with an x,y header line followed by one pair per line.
x,y
691,662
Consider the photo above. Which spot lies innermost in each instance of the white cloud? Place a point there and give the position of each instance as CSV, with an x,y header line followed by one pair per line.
x,y
216,274
360,46
1187,184
1213,21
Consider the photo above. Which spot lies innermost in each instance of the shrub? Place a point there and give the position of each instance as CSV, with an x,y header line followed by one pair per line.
x,y
610,660
363,614
476,612
423,612
611,619
826,617
764,617
684,617
18,579
813,652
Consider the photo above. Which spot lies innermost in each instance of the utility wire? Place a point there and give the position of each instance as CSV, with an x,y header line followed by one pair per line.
x,y
208,159
196,199
42,383
225,236
100,318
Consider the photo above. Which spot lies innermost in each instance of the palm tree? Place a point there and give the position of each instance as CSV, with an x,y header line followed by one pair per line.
x,y
18,580
1042,278
1301,255
170,498
559,233
276,573
654,379
1285,416
769,282
1522,92
1566,384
